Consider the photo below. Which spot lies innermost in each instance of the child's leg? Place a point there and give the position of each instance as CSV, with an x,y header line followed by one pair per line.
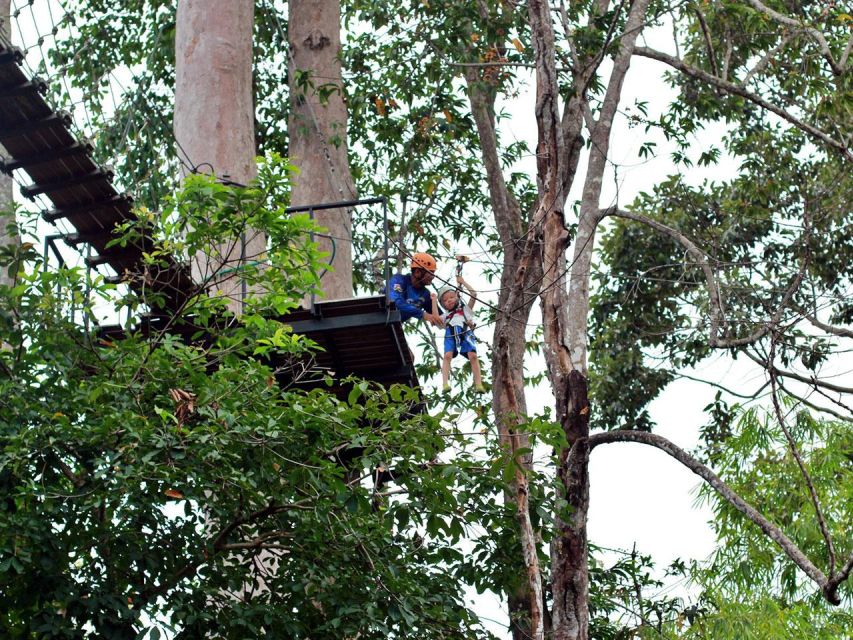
x,y
445,370
475,369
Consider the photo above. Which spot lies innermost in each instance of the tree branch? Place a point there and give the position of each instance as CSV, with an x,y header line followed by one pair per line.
x,y
504,205
816,35
260,542
812,405
739,90
480,65
761,64
716,308
750,396
846,54
709,45
728,494
774,395
830,591
78,481
799,378
842,332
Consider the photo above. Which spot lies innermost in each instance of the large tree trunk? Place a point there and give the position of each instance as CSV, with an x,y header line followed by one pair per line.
x,y
7,204
318,132
521,271
565,316
214,118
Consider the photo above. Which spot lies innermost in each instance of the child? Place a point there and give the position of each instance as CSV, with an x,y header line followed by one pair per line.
x,y
458,332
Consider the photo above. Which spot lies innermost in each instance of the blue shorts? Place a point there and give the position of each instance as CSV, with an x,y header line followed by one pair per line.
x,y
459,340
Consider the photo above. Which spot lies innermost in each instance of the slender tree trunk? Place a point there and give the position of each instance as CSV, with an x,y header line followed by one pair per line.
x,y
214,117
318,131
7,216
521,271
526,602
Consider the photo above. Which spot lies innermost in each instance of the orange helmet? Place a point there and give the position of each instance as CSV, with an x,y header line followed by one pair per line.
x,y
423,261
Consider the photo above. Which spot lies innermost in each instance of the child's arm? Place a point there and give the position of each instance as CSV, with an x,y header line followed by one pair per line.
x,y
473,299
434,297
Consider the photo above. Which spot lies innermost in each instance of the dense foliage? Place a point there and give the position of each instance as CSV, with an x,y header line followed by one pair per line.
x,y
154,482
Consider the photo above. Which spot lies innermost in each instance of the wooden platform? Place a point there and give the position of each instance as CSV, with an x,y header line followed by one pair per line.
x,y
360,337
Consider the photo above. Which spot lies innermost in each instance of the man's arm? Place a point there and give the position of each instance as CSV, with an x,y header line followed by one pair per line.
x,y
434,316
398,297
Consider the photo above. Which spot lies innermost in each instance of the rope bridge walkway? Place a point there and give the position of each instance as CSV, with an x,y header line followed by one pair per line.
x,y
38,141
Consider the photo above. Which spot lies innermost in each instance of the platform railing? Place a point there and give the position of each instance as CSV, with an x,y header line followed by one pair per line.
x,y
310,209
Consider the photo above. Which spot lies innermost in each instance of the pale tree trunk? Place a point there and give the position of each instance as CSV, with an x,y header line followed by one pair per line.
x,y
214,119
317,132
7,204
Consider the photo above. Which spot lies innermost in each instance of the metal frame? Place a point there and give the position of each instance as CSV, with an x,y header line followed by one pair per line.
x,y
345,204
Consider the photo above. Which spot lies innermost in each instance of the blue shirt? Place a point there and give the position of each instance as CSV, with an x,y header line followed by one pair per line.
x,y
410,302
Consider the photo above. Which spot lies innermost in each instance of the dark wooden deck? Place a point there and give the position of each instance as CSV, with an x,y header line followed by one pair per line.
x,y
360,336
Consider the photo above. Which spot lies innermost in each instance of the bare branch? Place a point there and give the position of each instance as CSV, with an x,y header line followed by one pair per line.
x,y
842,332
709,45
480,65
846,54
798,459
813,381
729,495
727,57
816,35
261,541
749,396
773,321
813,406
761,64
580,102
739,90
240,546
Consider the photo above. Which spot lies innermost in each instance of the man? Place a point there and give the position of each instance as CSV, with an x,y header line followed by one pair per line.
x,y
409,292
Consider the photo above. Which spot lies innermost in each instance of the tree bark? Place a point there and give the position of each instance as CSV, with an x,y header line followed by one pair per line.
x,y
570,550
569,574
317,132
565,317
7,204
214,118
